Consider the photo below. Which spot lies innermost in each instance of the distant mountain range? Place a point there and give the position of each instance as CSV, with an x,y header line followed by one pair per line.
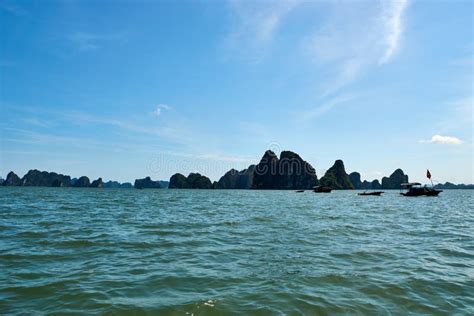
x,y
287,172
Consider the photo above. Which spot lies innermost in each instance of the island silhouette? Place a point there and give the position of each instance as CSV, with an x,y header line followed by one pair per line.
x,y
287,172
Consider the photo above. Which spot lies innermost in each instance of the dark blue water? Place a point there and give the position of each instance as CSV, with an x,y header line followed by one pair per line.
x,y
212,252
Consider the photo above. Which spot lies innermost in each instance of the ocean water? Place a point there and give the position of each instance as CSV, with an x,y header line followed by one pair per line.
x,y
199,252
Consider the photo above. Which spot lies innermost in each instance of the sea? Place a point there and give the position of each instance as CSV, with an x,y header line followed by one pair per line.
x,y
234,252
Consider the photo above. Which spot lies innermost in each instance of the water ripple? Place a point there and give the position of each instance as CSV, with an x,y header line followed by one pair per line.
x,y
185,252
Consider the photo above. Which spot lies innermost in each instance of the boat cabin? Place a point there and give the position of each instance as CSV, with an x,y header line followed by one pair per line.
x,y
415,189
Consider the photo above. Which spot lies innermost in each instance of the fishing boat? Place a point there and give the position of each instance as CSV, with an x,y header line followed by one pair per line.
x,y
416,189
321,189
375,193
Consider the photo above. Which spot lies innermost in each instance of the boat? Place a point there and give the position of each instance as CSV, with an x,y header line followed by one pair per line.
x,y
299,191
321,189
415,189
376,193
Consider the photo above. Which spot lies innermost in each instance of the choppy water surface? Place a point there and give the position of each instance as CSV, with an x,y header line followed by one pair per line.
x,y
186,252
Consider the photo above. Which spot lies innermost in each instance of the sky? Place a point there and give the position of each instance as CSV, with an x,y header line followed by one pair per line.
x,y
127,89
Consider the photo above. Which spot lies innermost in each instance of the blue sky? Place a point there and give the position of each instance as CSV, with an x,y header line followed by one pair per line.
x,y
123,89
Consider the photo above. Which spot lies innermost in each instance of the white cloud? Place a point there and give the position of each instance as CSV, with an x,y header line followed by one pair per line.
x,y
444,140
159,108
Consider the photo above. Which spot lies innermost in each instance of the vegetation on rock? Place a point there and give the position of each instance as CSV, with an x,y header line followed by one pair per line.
x,y
336,177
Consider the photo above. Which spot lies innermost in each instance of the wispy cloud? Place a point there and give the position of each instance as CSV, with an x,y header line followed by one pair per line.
x,y
37,122
320,110
33,137
443,140
84,41
463,61
159,108
256,25
12,8
459,116
87,41
392,19
352,37
346,48
178,133
83,118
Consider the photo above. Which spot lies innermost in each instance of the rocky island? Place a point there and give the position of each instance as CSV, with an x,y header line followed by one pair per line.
x,y
337,178
147,183
395,180
287,172
12,180
97,183
234,179
192,181
117,185
36,178
374,185
82,182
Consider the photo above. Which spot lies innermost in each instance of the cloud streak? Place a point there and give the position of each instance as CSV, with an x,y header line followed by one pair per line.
x,y
13,8
354,37
34,121
78,118
393,23
256,26
345,48
86,41
322,109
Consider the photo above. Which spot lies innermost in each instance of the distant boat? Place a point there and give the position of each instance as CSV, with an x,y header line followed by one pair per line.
x,y
321,189
299,191
376,193
415,189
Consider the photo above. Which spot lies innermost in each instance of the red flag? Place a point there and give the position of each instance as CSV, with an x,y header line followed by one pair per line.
x,y
428,174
